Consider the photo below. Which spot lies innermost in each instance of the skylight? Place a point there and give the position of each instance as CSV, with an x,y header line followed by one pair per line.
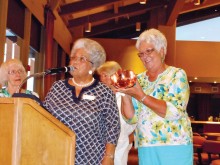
x,y
201,31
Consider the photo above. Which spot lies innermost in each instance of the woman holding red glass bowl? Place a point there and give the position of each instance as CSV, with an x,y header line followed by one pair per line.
x,y
157,103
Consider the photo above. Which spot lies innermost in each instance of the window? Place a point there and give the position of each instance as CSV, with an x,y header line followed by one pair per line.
x,y
207,30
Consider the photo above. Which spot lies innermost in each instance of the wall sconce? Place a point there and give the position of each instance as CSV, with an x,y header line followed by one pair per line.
x,y
88,27
138,26
143,2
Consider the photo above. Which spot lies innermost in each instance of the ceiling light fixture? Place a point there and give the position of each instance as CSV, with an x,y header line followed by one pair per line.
x,y
88,27
138,26
197,2
143,2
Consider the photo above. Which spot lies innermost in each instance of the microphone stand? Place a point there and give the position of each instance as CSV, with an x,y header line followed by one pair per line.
x,y
49,71
33,75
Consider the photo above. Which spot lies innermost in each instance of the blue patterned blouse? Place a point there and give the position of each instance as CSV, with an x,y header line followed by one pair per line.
x,y
93,116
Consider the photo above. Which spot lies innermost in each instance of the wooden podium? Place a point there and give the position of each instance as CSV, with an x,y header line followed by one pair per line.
x,y
29,135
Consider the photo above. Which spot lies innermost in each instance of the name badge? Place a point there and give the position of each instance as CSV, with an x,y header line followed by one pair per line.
x,y
88,97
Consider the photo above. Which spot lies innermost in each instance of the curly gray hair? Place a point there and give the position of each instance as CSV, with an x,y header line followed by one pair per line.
x,y
94,49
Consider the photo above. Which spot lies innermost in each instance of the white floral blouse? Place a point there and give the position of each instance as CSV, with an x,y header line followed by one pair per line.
x,y
4,93
175,128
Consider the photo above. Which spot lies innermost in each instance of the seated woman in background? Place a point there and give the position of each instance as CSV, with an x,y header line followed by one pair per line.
x,y
12,73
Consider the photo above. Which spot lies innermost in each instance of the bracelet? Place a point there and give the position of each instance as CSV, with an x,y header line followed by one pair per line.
x,y
142,100
109,155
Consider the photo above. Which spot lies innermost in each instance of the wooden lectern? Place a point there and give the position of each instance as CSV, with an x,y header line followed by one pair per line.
x,y
29,135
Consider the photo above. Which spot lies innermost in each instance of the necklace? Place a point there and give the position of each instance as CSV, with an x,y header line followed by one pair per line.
x,y
83,85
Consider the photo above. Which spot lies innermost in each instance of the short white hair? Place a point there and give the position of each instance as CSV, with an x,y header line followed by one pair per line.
x,y
155,37
5,68
109,67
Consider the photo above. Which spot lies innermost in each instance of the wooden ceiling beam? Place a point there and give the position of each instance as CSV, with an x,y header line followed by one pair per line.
x,y
173,10
196,16
54,4
108,15
197,19
84,6
116,8
189,7
110,26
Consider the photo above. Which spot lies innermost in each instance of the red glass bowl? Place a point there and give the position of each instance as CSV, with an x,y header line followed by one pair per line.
x,y
123,79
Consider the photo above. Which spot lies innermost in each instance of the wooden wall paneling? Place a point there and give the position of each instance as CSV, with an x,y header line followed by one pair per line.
x,y
49,24
124,52
199,59
61,61
153,22
35,33
61,33
17,51
25,47
3,21
36,8
55,60
16,17
173,11
78,32
8,49
40,65
170,33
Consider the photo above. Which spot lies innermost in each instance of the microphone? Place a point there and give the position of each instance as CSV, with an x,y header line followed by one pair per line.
x,y
59,70
48,71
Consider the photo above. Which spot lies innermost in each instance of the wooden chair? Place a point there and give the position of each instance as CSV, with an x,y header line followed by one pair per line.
x,y
215,162
212,148
198,141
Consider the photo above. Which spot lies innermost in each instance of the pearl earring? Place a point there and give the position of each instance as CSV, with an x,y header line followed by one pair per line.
x,y
90,71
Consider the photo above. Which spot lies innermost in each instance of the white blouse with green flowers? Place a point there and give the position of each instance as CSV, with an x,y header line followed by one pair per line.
x,y
175,128
4,93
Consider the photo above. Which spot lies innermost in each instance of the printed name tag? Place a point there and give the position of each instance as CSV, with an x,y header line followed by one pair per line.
x,y
88,97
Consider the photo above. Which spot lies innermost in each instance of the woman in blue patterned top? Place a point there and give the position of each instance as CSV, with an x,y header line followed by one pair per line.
x,y
12,73
87,106
157,103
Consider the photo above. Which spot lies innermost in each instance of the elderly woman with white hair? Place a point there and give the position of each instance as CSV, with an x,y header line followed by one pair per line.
x,y
157,103
87,106
12,73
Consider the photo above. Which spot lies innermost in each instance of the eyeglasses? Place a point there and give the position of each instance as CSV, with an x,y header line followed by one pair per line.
x,y
14,72
81,59
146,53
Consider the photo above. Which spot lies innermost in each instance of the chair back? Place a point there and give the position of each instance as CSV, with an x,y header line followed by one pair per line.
x,y
211,146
